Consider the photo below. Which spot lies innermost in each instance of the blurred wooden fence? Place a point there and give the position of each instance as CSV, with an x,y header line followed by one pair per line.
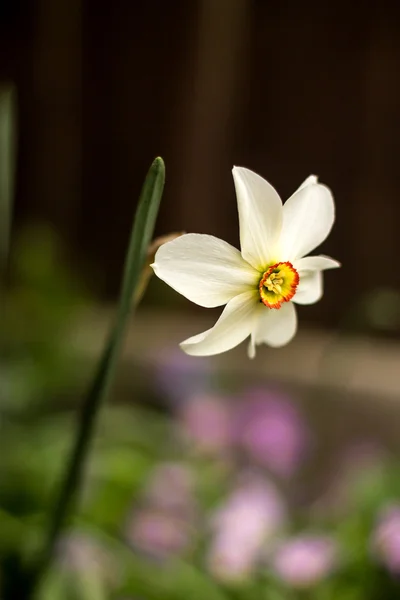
x,y
287,89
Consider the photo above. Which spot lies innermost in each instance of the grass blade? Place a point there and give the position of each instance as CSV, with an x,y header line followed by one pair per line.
x,y
142,233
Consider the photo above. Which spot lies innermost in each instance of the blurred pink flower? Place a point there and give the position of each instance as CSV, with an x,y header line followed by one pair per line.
x,y
250,517
163,525
171,488
385,540
206,421
271,431
158,534
305,560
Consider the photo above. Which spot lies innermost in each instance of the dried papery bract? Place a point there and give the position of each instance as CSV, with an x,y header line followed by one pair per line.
x,y
147,271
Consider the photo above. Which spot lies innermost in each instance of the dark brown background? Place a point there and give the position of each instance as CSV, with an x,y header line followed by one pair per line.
x,y
285,88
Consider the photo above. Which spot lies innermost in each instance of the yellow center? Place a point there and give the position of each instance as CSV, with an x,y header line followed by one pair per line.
x,y
278,284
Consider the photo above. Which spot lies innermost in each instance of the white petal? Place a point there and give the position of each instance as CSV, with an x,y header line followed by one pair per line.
x,y
260,217
204,269
308,217
310,288
276,327
315,263
233,326
251,348
311,180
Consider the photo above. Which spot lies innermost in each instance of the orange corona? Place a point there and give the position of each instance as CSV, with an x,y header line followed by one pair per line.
x,y
278,284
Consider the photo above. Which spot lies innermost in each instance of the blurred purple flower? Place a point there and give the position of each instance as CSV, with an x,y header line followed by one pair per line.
x,y
179,375
250,517
305,560
206,421
171,488
271,431
385,540
158,534
163,526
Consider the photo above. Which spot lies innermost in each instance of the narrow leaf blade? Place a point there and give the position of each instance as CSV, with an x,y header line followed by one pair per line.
x,y
7,165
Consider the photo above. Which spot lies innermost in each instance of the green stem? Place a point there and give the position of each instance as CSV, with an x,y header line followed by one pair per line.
x,y
141,236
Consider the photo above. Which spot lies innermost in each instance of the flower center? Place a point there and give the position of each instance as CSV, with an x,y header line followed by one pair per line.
x,y
278,284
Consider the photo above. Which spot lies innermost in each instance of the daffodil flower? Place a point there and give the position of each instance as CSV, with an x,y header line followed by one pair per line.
x,y
260,284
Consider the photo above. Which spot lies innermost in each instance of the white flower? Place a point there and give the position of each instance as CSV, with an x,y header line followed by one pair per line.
x,y
260,283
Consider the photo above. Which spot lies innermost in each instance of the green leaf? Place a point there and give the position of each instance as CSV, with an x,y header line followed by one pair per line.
x,y
174,581
142,233
143,229
60,585
7,160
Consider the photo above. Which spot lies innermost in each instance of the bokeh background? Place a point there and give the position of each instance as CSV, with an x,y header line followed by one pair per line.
x,y
275,478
